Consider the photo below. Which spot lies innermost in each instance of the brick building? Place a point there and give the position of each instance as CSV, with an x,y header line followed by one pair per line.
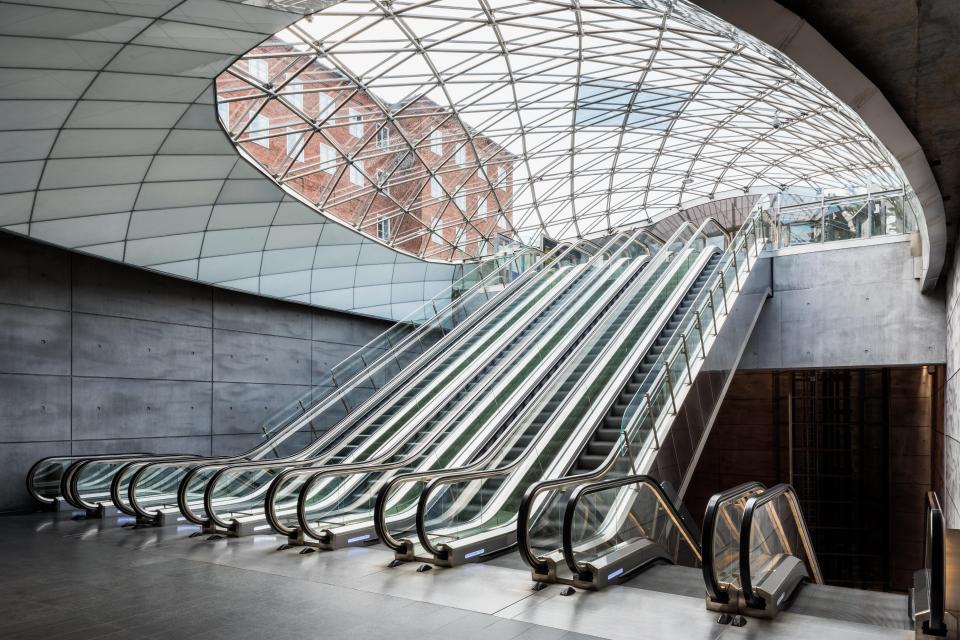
x,y
408,173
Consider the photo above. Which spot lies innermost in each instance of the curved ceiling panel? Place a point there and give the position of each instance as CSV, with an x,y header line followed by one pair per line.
x,y
110,144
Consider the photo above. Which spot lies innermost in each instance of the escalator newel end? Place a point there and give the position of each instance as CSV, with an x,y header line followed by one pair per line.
x,y
424,567
567,591
539,585
724,618
307,550
395,563
738,621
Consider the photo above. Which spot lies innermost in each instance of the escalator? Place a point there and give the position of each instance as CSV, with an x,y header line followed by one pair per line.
x,y
654,430
397,499
85,481
234,497
468,515
334,504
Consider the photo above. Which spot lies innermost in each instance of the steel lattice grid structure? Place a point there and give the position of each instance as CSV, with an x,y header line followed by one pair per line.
x,y
558,118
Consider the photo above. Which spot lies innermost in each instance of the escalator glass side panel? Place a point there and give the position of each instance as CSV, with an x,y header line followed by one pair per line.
x,y
411,400
721,540
612,527
774,543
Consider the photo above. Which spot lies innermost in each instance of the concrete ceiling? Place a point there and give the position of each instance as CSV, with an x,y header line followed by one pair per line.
x,y
910,49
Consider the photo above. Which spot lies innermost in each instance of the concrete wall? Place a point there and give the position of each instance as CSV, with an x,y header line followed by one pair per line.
x,y
847,306
100,357
947,470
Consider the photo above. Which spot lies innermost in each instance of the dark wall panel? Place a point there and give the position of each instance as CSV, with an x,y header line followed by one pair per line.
x,y
97,357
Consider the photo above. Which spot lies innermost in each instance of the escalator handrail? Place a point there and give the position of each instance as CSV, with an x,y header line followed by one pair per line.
x,y
714,591
746,526
934,555
347,422
276,433
383,464
31,473
381,461
456,477
612,483
504,431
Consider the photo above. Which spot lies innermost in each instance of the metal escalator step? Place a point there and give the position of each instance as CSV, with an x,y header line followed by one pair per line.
x,y
599,448
589,461
607,434
612,422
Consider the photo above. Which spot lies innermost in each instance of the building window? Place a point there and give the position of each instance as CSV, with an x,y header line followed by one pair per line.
x,y
437,234
295,146
356,172
295,94
436,142
436,189
383,229
223,110
502,222
324,105
382,181
501,177
462,156
260,70
383,137
461,200
481,176
356,123
482,207
327,158
260,127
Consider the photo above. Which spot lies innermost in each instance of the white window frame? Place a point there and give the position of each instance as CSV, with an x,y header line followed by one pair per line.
x,y
259,69
501,177
293,141
437,235
436,142
383,137
328,158
356,173
355,118
461,158
383,228
223,111
324,105
260,125
461,199
382,181
295,94
436,188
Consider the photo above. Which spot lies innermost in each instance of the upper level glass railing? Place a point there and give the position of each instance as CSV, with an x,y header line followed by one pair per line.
x,y
800,220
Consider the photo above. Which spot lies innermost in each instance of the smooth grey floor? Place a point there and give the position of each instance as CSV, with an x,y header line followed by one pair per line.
x,y
61,578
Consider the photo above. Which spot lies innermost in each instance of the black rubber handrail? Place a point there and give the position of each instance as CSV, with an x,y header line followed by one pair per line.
x,y
505,430
593,487
122,457
746,525
934,555
714,591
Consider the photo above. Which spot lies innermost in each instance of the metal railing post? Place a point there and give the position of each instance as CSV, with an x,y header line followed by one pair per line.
x,y
673,400
653,421
723,285
703,350
686,357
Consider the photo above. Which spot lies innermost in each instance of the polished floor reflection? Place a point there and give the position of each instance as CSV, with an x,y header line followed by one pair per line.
x,y
65,578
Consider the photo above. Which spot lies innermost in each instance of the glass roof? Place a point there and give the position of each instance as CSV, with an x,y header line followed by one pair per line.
x,y
444,128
